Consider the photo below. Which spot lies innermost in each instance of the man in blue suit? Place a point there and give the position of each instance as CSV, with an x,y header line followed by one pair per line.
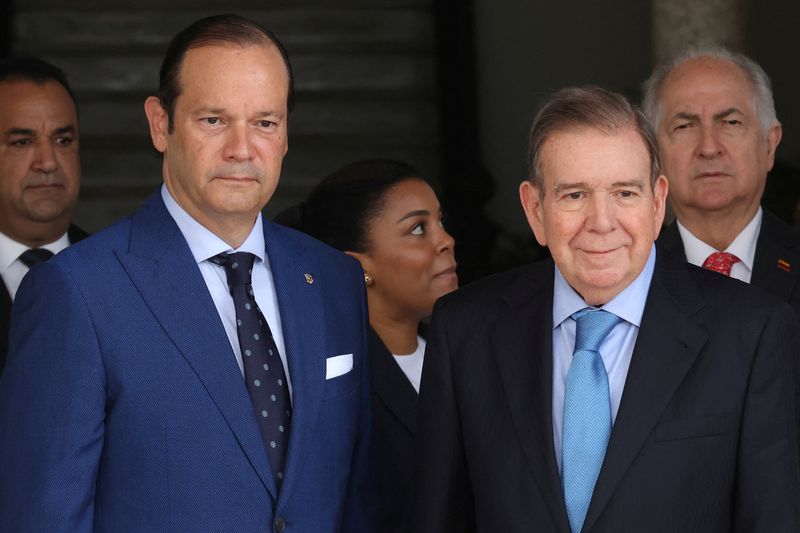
x,y
158,382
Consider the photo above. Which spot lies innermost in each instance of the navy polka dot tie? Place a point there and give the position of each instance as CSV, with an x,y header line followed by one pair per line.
x,y
263,369
34,256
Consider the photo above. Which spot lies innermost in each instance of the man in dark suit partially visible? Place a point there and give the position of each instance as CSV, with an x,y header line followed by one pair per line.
x,y
717,131
39,173
610,388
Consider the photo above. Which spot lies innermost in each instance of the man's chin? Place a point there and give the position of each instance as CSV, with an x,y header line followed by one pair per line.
x,y
46,212
711,198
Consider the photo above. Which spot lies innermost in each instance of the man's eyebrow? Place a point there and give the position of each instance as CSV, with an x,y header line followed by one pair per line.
x,y
222,111
20,131
685,115
64,129
565,186
727,112
639,184
416,213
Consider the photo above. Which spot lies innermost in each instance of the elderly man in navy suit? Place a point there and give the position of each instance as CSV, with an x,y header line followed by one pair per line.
x,y
610,388
194,367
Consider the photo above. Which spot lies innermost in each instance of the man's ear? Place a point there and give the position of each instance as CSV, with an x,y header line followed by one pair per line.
x,y
660,192
530,198
773,140
159,123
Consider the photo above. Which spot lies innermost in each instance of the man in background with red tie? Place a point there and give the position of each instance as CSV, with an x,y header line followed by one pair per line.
x,y
717,131
39,173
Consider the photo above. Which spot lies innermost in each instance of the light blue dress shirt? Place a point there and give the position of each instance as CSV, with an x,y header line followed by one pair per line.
x,y
204,244
616,350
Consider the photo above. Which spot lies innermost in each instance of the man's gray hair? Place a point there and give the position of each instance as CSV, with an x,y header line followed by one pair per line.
x,y
576,108
763,104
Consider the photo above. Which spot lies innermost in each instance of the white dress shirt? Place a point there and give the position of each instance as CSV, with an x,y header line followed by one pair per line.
x,y
11,268
743,247
204,245
616,349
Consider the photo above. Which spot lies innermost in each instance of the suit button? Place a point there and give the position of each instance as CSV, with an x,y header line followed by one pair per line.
x,y
280,524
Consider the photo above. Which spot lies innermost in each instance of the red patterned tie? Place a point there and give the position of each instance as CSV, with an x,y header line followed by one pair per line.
x,y
720,262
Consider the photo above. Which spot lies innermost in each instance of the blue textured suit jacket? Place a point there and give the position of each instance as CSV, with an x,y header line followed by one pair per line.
x,y
122,407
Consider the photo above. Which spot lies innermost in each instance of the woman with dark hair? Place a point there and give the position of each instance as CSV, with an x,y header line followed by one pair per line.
x,y
385,215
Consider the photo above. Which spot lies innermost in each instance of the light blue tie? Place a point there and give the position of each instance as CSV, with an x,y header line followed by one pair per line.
x,y
587,413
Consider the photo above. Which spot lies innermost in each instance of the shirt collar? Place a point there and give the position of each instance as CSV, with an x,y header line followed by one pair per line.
x,y
205,244
10,250
628,304
743,246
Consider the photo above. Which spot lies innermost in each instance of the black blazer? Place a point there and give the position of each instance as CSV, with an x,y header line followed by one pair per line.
x,y
776,241
75,234
704,439
394,404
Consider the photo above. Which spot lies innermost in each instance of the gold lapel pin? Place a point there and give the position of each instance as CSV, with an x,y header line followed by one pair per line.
x,y
784,265
309,278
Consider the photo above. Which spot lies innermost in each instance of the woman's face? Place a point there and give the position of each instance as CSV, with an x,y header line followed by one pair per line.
x,y
410,256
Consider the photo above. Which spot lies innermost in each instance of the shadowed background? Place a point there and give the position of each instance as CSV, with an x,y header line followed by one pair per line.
x,y
450,86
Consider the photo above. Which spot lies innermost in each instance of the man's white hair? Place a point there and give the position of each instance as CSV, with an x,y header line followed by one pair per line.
x,y
763,104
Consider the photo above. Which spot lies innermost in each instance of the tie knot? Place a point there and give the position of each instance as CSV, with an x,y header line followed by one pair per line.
x,y
721,262
593,325
34,256
238,267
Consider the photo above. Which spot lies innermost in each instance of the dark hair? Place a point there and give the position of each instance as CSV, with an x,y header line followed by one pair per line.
x,y
341,207
34,70
574,108
215,30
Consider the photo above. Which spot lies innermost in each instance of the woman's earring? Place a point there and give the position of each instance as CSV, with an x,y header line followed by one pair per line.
x,y
367,279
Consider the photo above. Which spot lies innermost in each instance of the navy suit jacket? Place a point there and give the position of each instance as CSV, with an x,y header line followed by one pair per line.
x,y
75,234
704,439
122,407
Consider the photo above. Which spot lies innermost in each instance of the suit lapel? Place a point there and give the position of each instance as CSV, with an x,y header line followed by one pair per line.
x,y
522,341
5,322
303,320
773,240
75,234
670,240
391,386
161,266
666,346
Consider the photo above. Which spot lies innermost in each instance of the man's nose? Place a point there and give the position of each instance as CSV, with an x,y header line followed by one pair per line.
x,y
44,160
601,214
709,145
238,146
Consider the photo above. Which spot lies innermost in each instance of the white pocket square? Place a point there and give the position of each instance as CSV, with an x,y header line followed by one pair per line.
x,y
337,365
